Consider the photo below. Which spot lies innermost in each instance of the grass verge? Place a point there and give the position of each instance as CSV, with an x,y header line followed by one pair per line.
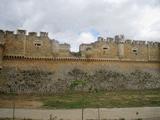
x,y
103,99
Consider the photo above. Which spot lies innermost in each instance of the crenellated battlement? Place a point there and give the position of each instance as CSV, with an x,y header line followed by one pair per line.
x,y
128,41
9,32
33,34
39,45
35,52
21,32
138,42
116,39
24,33
121,48
2,32
100,39
155,44
119,38
43,34
110,39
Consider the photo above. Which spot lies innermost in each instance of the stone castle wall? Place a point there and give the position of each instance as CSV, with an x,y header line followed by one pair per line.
x,y
119,48
41,75
62,66
109,51
32,45
31,61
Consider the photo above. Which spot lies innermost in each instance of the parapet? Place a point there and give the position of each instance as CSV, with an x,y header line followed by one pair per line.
x,y
128,41
32,34
110,40
155,44
87,45
21,32
84,47
142,42
138,42
119,38
101,39
134,42
2,32
9,32
43,34
149,42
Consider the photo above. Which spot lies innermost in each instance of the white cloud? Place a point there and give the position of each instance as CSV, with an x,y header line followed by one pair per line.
x,y
148,23
72,21
85,37
116,1
76,39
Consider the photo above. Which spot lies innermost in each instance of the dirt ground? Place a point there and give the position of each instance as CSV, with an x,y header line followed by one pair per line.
x,y
20,103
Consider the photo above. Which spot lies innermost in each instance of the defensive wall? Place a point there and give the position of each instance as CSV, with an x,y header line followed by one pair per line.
x,y
34,45
30,52
64,65
109,51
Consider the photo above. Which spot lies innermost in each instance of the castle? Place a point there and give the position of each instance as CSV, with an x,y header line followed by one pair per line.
x,y
34,46
37,63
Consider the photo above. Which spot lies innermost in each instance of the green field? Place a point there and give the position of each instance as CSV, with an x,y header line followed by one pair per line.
x,y
103,99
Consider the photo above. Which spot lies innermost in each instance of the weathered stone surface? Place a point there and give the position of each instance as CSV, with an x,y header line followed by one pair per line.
x,y
47,82
32,45
37,64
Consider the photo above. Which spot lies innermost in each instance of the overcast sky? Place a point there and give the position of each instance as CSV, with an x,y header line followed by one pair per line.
x,y
81,21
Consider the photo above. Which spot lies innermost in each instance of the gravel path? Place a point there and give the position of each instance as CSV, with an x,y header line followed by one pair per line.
x,y
146,113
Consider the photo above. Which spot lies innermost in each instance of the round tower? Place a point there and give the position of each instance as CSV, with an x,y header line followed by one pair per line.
x,y
120,44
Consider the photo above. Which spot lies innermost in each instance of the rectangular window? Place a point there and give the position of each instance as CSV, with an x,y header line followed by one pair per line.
x,y
105,48
135,51
37,45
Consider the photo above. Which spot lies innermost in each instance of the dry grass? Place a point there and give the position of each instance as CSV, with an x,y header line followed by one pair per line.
x,y
89,100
